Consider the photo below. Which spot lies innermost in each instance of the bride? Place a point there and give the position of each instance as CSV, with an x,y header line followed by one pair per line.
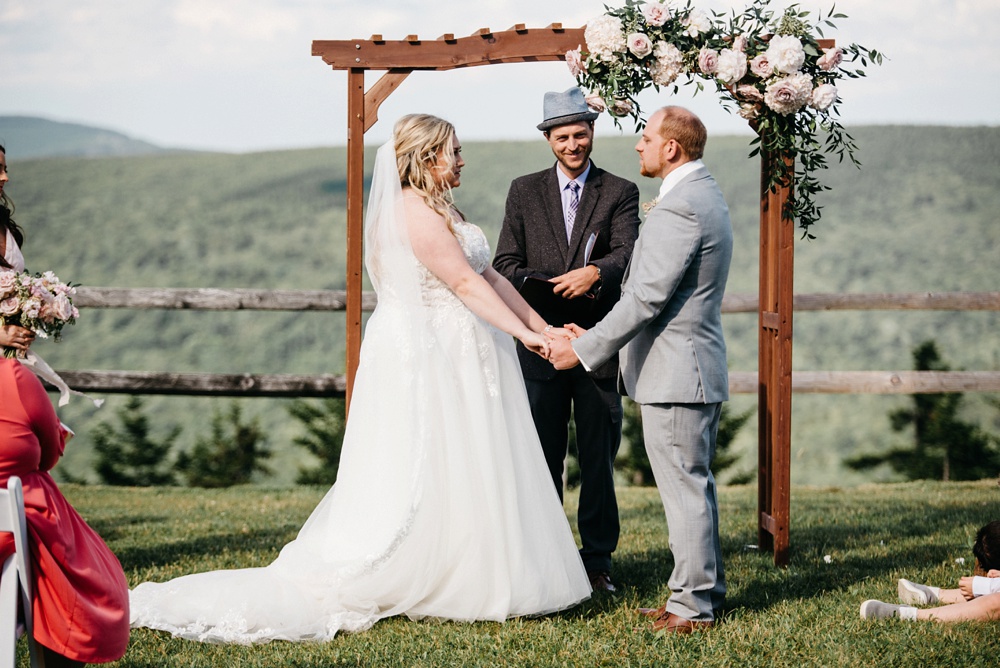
x,y
443,505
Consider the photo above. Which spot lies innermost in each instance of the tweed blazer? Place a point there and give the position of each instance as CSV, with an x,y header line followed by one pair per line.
x,y
533,241
668,322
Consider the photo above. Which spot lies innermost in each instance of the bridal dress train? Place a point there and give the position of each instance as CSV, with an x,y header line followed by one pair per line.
x,y
443,506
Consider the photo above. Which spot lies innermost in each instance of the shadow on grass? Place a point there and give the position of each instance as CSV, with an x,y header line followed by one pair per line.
x,y
156,554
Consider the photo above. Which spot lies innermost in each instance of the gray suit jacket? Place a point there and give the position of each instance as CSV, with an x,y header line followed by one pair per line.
x,y
533,240
668,323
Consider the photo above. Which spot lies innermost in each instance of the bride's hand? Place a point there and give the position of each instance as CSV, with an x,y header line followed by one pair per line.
x,y
536,343
15,336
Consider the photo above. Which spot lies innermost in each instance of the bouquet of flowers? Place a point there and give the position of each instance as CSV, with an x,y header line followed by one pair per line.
x,y
770,69
39,302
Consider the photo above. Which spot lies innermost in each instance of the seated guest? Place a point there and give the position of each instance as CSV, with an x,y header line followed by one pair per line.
x,y
80,596
977,597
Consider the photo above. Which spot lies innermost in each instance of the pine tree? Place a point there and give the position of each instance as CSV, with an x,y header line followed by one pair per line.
x,y
324,438
128,456
945,447
230,455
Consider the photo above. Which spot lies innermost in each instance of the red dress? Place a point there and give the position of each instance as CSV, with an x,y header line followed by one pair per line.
x,y
80,593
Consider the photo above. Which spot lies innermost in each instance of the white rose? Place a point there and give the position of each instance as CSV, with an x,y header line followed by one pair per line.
x,y
732,66
605,37
639,45
62,307
788,95
823,97
785,54
697,22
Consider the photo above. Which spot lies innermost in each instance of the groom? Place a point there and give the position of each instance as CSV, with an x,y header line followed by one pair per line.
x,y
574,226
668,327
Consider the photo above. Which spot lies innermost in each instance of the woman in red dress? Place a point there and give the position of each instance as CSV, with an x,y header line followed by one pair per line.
x,y
80,594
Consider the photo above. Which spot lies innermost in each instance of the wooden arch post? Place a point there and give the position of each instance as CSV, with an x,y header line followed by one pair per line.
x,y
518,45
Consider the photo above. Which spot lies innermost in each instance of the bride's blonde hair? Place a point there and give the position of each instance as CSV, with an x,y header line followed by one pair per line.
x,y
421,140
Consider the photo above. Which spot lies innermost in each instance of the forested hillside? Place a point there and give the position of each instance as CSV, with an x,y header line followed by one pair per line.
x,y
919,216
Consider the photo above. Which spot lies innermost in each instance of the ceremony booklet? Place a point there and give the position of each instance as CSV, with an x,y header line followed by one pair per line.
x,y
537,290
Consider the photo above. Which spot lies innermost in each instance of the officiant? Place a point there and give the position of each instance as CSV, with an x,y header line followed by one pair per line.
x,y
567,236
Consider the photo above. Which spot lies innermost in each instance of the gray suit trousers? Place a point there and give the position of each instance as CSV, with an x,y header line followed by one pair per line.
x,y
680,442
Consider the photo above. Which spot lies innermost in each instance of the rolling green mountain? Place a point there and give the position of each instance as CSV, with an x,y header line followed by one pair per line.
x,y
30,137
920,216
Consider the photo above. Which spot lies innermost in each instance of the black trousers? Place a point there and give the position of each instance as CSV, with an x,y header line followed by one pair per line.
x,y
597,412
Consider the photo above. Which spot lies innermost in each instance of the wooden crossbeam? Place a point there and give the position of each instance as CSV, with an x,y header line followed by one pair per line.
x,y
483,47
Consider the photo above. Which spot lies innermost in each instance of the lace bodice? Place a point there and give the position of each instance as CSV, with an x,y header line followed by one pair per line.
x,y
477,252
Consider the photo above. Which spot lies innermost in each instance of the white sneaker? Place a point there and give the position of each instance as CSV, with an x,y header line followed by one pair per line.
x,y
873,609
912,593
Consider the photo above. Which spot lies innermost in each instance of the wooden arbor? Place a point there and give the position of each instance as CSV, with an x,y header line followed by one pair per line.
x,y
517,45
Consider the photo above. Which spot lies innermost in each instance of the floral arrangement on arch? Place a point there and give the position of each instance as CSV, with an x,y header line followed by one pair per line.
x,y
771,71
39,302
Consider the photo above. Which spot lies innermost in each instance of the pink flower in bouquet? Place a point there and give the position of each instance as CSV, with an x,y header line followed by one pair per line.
x,y
8,282
574,62
708,60
621,107
10,306
655,13
596,102
62,308
740,43
639,45
788,95
761,67
831,59
749,93
668,65
749,111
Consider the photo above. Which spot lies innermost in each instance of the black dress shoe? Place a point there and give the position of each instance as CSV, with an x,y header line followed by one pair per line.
x,y
601,581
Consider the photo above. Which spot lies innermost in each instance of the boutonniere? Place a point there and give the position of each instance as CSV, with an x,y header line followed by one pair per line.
x,y
648,206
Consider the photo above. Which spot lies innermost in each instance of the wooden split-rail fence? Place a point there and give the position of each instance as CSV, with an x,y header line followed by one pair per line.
x,y
333,385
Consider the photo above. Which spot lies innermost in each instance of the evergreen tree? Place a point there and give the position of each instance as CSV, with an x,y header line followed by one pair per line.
x,y
230,455
324,438
128,456
635,462
945,447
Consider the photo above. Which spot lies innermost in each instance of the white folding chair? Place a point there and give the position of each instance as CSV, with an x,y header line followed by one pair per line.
x,y
15,580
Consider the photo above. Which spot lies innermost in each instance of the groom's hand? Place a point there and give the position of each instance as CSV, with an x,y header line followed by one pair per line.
x,y
561,354
576,283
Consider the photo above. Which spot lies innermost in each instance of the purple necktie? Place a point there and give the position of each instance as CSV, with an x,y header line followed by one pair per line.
x,y
571,207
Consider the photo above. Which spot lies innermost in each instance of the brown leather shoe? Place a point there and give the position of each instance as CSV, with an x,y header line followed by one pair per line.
x,y
668,622
600,581
653,613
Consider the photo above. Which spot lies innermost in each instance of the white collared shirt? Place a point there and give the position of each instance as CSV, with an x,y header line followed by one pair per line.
x,y
675,177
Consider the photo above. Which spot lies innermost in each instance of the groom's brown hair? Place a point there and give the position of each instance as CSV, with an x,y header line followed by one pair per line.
x,y
686,129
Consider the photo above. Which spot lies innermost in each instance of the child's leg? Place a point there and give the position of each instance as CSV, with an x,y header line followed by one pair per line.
x,y
983,608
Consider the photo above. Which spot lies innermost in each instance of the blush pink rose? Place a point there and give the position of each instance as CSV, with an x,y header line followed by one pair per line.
x,y
749,93
831,59
708,60
596,102
788,95
8,281
62,307
655,13
761,67
639,44
9,306
574,62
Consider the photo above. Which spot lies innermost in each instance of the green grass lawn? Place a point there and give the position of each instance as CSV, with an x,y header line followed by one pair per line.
x,y
805,615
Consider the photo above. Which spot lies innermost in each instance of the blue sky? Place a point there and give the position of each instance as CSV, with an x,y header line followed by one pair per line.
x,y
237,75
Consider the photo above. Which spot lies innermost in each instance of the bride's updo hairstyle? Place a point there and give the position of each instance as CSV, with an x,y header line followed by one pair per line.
x,y
421,140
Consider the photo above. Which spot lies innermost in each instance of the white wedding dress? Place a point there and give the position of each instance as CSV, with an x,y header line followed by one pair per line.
x,y
443,505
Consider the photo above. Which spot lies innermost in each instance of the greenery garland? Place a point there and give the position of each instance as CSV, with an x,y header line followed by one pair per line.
x,y
770,71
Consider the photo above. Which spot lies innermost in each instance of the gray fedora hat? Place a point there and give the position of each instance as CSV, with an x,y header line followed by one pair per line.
x,y
564,108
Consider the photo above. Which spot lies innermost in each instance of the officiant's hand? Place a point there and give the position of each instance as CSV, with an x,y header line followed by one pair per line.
x,y
576,283
561,354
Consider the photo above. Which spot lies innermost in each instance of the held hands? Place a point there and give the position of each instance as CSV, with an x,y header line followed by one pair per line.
x,y
576,283
536,343
561,353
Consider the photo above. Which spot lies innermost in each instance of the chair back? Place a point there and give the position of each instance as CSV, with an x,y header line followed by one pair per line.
x,y
15,579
